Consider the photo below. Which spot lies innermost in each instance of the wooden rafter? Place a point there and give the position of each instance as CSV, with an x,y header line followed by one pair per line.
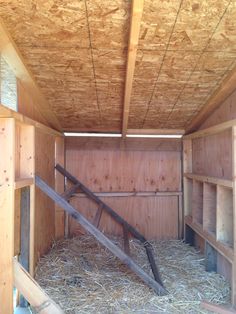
x,y
13,57
225,89
136,15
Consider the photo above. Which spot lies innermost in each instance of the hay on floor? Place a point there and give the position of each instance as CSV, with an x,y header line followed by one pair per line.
x,y
84,277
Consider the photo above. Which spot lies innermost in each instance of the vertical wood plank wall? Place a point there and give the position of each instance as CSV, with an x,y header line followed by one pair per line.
x,y
44,207
110,166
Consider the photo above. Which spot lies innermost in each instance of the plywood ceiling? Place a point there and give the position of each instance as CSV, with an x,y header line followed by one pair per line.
x,y
77,52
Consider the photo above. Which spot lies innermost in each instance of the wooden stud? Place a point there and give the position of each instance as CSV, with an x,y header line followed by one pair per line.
x,y
13,57
7,197
187,185
59,187
225,89
135,22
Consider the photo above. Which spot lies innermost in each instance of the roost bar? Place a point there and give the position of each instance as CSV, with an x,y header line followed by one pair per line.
x,y
117,156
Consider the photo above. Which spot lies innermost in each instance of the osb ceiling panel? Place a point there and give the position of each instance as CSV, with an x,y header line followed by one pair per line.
x,y
186,48
77,52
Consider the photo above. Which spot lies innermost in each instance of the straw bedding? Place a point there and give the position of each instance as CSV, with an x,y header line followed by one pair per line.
x,y
84,277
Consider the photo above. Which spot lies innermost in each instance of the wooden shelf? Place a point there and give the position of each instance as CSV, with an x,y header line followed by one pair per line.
x,y
23,182
222,248
212,180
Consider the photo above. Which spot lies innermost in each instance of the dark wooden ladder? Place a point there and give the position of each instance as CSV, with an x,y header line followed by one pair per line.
x,y
62,200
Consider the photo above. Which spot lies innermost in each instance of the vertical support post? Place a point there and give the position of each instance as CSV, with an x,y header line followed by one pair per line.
x,y
7,199
210,258
59,187
234,215
187,168
25,234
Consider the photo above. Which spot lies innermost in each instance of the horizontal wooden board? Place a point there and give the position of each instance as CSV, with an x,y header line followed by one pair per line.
x,y
154,217
133,144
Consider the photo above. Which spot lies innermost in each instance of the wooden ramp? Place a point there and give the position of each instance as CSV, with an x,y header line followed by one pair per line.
x,y
62,200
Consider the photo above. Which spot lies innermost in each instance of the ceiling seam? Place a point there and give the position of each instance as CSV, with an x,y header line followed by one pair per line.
x,y
92,58
203,51
163,59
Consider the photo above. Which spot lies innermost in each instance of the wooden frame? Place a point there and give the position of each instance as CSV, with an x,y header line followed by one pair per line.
x,y
17,170
217,202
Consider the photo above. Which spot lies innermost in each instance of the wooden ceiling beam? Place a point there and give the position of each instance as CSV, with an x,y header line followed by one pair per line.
x,y
135,22
13,57
225,89
156,131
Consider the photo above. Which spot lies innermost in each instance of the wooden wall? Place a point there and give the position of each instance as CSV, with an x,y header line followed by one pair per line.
x,y
110,166
212,156
44,207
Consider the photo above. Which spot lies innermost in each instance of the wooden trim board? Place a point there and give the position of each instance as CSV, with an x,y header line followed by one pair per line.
x,y
213,180
32,292
212,130
20,118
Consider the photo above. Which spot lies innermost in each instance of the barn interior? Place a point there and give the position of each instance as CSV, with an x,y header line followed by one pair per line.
x,y
118,156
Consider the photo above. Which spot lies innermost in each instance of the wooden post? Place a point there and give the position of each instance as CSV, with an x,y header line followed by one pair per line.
x,y
7,178
187,185
234,215
59,187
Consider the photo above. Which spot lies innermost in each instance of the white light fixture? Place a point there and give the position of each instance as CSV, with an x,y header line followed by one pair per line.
x,y
92,134
155,135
